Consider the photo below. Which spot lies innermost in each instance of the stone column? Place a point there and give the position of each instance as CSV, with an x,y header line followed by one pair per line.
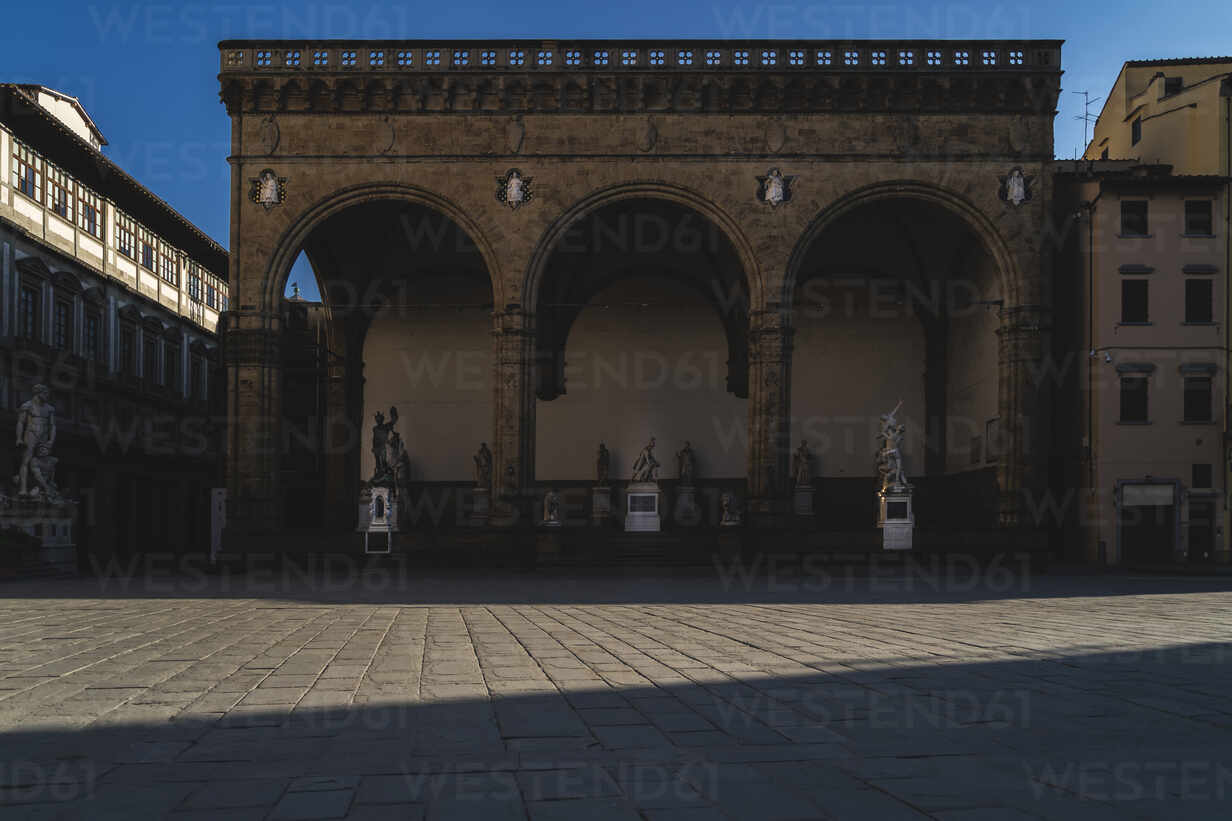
x,y
1022,465
513,437
254,398
769,409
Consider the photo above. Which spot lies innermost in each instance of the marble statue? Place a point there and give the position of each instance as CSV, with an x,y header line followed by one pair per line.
x,y
36,435
381,471
603,464
646,467
802,465
728,514
889,454
483,466
551,506
399,460
685,464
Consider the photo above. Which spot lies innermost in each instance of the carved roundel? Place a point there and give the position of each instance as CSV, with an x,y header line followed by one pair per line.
x,y
513,189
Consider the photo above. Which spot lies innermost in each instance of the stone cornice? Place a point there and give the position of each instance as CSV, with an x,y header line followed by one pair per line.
x,y
762,76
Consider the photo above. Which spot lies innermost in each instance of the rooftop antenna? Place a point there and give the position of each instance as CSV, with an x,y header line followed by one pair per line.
x,y
1086,115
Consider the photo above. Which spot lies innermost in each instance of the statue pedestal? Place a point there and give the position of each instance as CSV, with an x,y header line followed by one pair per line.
x,y
687,512
481,506
896,518
49,522
802,500
642,503
379,515
600,504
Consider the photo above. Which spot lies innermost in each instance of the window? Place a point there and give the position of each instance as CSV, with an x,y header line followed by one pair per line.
x,y
292,59
906,58
171,367
628,57
1201,475
125,228
656,57
962,58
28,312
877,57
149,352
168,265
544,57
376,59
263,59
1015,57
62,325
146,247
60,193
1133,218
320,58
684,57
1135,131
769,57
93,337
27,171
1198,217
933,57
573,57
89,212
1172,85
824,57
348,59
1134,398
851,58
740,57
1134,300
601,57
988,58
1197,399
517,57
194,377
487,57
128,350
405,58
194,284
1199,300
461,57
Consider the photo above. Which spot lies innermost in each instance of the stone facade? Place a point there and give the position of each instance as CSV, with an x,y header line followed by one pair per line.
x,y
597,123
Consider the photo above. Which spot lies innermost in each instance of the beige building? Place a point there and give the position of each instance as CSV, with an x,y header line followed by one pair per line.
x,y
1146,216
111,298
1146,285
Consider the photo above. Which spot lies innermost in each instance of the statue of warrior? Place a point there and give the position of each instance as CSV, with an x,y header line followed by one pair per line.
x,y
380,444
603,464
483,466
802,465
36,435
646,466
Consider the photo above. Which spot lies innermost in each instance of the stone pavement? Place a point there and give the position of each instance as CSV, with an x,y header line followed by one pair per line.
x,y
679,697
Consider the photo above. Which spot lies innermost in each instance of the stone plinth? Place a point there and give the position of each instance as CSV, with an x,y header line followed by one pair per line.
x,y
896,518
687,512
642,505
381,518
802,500
600,504
49,522
481,506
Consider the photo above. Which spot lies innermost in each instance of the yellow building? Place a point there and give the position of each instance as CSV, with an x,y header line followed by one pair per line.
x,y
1172,112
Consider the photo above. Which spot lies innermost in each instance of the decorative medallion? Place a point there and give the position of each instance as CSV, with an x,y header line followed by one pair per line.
x,y
513,189
1015,187
776,136
515,133
268,189
270,134
774,188
649,137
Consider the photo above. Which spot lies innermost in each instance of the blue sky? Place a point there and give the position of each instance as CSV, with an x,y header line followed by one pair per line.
x,y
147,72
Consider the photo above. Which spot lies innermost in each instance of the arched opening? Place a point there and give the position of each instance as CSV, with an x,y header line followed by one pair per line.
x,y
403,321
642,318
898,299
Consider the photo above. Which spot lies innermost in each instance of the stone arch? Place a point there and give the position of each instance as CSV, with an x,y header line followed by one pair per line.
x,y
1009,276
647,189
294,237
